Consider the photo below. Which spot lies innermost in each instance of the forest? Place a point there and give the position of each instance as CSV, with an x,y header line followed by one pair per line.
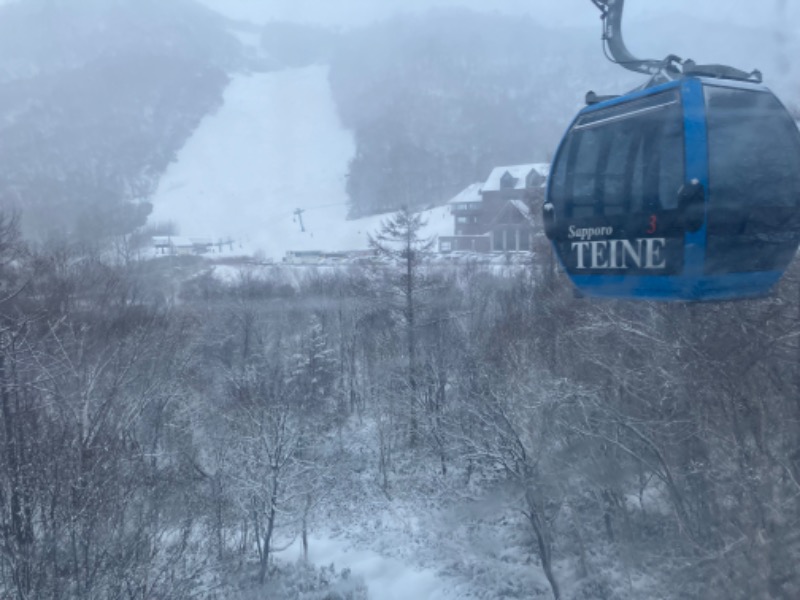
x,y
96,100
166,433
173,428
439,100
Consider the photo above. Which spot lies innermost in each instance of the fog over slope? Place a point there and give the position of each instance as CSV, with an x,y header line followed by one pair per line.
x,y
95,99
98,97
558,13
183,428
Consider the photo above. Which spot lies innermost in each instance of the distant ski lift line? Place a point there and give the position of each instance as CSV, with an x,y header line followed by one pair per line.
x,y
297,213
298,216
700,167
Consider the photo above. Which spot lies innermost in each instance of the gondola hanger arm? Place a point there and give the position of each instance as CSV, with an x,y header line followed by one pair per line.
x,y
670,67
611,14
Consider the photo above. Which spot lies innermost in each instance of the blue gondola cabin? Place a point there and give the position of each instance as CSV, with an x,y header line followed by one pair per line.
x,y
687,190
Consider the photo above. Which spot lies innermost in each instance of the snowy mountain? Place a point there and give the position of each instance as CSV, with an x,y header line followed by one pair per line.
x,y
107,106
410,111
274,147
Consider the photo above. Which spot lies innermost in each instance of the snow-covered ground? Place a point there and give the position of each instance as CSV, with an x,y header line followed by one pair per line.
x,y
386,578
275,146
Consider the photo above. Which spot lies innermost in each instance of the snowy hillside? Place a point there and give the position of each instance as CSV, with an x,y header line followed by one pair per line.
x,y
275,146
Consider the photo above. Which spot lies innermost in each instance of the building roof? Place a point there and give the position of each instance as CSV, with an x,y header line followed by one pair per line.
x,y
519,172
472,193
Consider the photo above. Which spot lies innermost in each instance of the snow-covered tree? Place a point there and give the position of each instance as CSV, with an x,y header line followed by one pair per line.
x,y
400,243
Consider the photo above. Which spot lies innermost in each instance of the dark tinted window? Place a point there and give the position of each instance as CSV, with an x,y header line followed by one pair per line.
x,y
625,159
585,154
754,181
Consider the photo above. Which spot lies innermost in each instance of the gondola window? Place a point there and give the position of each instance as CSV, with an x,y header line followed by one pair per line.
x,y
753,153
622,160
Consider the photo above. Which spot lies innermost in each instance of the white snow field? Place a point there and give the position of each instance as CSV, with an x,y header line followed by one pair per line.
x,y
275,146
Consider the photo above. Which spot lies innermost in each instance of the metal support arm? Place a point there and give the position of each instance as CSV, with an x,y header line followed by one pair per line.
x,y
612,36
670,67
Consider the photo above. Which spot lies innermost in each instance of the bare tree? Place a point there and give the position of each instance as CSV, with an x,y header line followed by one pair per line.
x,y
517,428
90,378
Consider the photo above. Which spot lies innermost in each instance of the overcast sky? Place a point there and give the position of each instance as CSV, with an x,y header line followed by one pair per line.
x,y
761,13
780,20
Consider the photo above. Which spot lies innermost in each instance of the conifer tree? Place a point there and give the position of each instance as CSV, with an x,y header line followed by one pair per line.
x,y
399,242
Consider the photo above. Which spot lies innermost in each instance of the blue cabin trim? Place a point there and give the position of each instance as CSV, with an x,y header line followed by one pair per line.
x,y
692,289
695,136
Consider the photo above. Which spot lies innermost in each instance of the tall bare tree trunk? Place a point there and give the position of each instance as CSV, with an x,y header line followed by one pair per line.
x,y
541,530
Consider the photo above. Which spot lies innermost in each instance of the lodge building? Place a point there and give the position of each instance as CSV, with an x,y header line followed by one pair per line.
x,y
498,215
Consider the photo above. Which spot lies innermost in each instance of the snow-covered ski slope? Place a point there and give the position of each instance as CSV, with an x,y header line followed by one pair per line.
x,y
276,145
